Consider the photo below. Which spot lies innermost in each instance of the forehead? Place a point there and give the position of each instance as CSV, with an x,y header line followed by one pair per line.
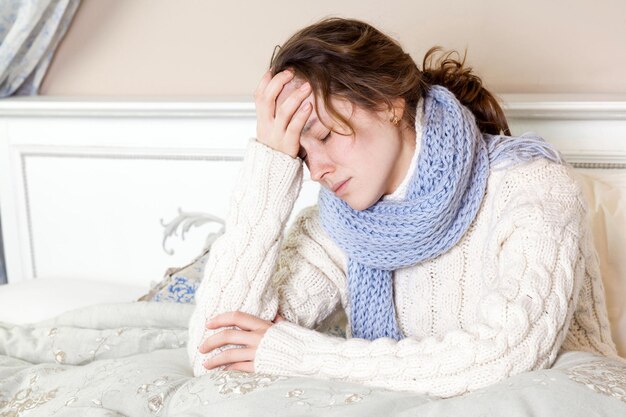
x,y
319,113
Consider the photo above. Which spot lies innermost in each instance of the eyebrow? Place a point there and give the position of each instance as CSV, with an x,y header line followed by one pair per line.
x,y
309,125
306,128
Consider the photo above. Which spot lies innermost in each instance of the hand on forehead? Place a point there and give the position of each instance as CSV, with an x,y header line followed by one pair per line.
x,y
288,88
320,112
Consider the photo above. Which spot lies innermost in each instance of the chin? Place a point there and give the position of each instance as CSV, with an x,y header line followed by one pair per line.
x,y
359,205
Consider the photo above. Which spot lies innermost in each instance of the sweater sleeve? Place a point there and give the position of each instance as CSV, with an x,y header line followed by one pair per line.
x,y
533,269
247,270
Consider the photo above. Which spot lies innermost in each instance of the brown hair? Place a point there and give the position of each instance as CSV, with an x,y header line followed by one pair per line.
x,y
350,59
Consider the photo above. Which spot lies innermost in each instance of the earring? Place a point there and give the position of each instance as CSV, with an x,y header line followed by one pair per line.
x,y
395,120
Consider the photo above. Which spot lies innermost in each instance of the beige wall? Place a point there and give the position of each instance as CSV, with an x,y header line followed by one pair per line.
x,y
220,49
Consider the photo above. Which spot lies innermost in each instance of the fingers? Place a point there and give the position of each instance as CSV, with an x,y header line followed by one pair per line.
x,y
230,356
293,131
241,366
285,112
240,319
226,337
263,83
266,98
281,111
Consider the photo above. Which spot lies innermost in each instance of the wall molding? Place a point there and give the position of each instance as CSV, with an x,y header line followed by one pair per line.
x,y
25,155
61,131
525,106
565,106
45,106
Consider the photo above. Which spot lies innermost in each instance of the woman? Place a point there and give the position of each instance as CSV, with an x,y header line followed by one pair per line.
x,y
459,253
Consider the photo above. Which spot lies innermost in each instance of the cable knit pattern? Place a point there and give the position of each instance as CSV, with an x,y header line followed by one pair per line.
x,y
249,245
521,285
443,198
244,272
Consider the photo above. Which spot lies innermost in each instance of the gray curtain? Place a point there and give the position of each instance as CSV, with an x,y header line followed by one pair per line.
x,y
3,269
30,31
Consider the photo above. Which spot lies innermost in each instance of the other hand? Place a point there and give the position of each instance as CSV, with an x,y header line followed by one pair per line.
x,y
252,331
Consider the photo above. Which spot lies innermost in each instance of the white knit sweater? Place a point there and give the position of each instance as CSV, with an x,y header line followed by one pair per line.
x,y
522,284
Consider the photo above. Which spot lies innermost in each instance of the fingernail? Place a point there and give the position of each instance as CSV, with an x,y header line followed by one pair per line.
x,y
305,86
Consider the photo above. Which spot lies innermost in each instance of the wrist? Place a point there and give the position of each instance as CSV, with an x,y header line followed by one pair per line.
x,y
292,153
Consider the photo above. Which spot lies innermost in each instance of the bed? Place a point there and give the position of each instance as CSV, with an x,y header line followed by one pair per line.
x,y
101,199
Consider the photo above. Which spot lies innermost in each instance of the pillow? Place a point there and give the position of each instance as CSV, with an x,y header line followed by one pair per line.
x,y
179,285
335,324
605,192
40,299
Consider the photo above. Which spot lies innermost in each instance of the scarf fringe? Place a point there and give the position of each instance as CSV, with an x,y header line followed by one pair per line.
x,y
505,151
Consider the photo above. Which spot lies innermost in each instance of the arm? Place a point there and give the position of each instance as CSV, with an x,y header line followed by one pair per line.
x,y
247,271
533,268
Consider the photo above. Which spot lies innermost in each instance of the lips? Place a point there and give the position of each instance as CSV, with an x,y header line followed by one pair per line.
x,y
338,185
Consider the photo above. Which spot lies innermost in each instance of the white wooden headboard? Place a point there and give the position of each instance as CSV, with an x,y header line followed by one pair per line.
x,y
87,186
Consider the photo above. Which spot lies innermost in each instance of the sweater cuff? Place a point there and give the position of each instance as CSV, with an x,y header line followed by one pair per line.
x,y
286,347
281,169
265,191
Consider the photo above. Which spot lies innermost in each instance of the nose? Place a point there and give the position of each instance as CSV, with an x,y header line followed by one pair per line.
x,y
319,165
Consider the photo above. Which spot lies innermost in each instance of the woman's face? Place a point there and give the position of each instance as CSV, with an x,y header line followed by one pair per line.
x,y
359,168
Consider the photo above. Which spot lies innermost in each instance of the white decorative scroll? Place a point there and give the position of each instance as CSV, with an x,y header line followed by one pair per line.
x,y
186,221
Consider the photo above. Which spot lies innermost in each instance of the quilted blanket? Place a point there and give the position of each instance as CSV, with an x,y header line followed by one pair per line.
x,y
129,359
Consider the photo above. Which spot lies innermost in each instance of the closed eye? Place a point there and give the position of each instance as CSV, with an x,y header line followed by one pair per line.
x,y
303,155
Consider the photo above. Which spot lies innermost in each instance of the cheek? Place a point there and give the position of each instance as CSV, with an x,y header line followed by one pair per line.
x,y
344,152
376,165
361,156
362,165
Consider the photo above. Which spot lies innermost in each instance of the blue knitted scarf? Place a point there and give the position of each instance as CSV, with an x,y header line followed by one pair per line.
x,y
443,197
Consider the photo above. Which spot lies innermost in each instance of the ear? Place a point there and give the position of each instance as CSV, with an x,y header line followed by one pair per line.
x,y
399,105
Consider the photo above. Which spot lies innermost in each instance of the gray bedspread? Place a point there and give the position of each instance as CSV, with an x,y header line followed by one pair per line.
x,y
129,359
